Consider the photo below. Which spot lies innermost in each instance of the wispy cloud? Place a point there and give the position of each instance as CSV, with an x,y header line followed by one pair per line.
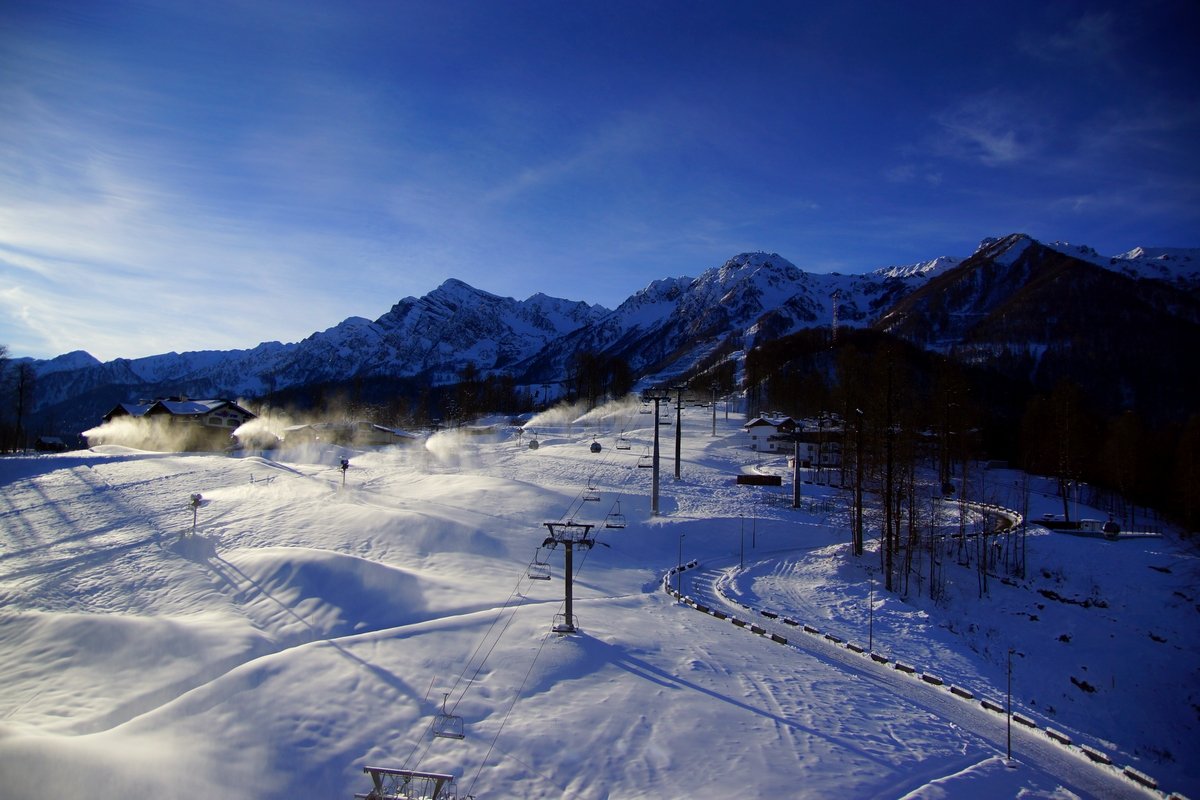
x,y
989,128
1091,36
909,172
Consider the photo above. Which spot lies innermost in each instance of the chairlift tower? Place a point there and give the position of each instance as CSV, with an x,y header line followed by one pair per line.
x,y
678,424
656,399
408,784
569,534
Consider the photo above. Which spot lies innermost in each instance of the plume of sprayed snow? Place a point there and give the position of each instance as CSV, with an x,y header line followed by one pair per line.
x,y
452,447
618,411
143,434
569,414
560,416
261,430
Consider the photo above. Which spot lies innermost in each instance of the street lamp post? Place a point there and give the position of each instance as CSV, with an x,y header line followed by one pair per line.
x,y
679,567
871,619
1010,655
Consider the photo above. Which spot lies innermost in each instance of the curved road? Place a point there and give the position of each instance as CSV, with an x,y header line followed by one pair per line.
x,y
1069,765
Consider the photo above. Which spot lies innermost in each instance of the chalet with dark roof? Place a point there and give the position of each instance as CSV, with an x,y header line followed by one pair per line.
x,y
175,423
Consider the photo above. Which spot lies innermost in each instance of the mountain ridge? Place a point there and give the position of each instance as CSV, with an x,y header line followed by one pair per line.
x,y
751,297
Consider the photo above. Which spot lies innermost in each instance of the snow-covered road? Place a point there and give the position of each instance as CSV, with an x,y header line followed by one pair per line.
x,y
703,586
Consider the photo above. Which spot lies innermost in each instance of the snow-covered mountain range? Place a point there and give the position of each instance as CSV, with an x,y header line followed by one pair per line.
x,y
665,327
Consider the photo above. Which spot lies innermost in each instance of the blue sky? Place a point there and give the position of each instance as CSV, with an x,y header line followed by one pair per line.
x,y
181,175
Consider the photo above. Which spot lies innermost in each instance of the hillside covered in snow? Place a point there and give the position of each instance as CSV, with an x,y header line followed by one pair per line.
x,y
295,624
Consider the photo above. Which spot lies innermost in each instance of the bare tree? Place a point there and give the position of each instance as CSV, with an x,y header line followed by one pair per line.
x,y
24,383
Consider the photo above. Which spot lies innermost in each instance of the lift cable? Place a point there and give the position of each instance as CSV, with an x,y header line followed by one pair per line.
x,y
574,507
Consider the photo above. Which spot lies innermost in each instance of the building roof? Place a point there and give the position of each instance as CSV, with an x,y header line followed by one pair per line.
x,y
175,408
186,408
774,423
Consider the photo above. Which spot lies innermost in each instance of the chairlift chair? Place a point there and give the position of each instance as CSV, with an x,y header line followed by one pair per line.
x,y
539,568
615,518
447,725
646,461
591,494
623,444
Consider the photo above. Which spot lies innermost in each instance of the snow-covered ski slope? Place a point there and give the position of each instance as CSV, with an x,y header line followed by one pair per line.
x,y
307,630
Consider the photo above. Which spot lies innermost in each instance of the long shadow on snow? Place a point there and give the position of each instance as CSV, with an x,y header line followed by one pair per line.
x,y
619,657
384,675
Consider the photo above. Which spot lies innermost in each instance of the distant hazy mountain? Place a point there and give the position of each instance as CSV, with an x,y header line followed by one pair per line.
x,y
1013,300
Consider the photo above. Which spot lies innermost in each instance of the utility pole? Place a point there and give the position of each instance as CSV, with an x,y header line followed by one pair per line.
x,y
858,478
568,534
714,407
796,472
656,398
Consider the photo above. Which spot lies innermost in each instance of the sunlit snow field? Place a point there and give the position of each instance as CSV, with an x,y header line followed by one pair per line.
x,y
306,630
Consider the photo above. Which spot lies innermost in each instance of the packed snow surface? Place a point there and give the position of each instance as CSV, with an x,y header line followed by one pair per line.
x,y
297,623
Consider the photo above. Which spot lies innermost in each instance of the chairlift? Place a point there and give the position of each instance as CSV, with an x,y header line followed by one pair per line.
x,y
646,461
447,725
623,443
645,409
615,518
596,448
591,494
539,568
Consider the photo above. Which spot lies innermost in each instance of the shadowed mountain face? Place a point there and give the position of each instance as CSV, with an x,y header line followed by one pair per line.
x,y
1038,314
